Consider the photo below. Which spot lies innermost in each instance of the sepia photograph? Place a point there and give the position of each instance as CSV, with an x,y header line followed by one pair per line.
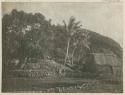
x,y
62,47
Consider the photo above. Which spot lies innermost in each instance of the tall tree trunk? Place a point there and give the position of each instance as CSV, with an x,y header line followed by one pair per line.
x,y
67,50
79,56
73,54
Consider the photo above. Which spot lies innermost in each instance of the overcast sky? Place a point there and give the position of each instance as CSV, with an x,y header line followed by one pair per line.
x,y
103,18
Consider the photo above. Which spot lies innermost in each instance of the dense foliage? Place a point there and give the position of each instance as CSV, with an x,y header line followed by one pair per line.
x,y
27,35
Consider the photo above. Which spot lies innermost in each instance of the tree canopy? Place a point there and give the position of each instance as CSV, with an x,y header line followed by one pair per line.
x,y
27,35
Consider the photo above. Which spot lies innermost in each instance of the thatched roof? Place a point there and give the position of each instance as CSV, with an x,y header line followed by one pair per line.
x,y
105,59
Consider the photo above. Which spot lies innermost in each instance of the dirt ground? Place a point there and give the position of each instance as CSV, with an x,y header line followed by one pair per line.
x,y
62,85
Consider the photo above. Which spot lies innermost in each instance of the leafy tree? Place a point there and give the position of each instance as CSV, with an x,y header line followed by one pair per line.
x,y
23,34
71,29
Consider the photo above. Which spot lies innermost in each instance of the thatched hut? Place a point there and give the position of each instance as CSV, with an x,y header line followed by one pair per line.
x,y
107,65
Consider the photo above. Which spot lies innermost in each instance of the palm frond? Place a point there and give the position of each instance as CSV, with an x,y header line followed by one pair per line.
x,y
64,23
86,43
71,22
65,26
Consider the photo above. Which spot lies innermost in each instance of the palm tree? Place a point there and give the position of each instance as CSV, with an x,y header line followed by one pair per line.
x,y
75,46
83,39
84,42
71,29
